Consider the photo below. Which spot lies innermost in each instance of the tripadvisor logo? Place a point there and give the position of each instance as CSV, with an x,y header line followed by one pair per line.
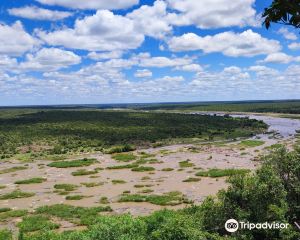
x,y
233,225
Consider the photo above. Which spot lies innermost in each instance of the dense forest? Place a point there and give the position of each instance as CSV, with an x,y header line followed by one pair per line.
x,y
69,131
291,107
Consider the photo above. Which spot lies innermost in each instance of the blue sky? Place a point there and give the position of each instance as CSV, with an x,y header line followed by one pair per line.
x,y
114,51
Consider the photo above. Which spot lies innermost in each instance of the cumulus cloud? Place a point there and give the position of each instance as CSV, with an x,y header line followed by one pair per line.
x,y
14,40
105,55
49,59
32,12
287,34
145,60
213,13
92,4
193,67
294,46
152,20
247,43
103,31
143,73
279,58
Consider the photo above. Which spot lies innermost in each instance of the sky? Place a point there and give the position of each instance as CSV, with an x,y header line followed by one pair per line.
x,y
137,51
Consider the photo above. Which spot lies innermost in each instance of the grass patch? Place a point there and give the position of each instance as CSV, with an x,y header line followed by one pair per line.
x,y
68,212
124,157
13,169
74,163
143,169
117,181
75,197
92,184
2,186
191,179
16,194
215,173
146,191
251,143
120,149
36,223
167,199
104,200
168,169
127,166
66,187
186,164
31,181
84,172
142,185
5,234
7,214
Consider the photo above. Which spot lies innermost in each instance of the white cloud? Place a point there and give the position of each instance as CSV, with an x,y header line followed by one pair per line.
x,y
294,46
263,71
143,73
14,40
92,4
287,34
193,67
145,60
7,63
213,13
247,43
152,20
103,31
105,55
232,70
278,58
33,12
49,59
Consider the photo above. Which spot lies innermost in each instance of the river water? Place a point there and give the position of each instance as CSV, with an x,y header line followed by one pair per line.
x,y
285,127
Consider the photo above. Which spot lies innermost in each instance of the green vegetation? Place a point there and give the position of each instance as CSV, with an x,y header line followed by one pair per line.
x,y
292,107
171,199
167,169
118,181
74,163
124,157
66,187
104,200
143,169
11,170
32,134
92,184
31,181
251,143
67,212
215,173
75,197
7,214
186,164
5,234
120,149
127,166
142,185
16,194
191,179
84,172
36,223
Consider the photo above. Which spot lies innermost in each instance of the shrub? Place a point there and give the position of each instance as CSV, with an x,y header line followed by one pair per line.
x,y
74,163
31,181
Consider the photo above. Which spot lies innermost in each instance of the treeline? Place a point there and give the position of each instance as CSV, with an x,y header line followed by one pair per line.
x,y
64,131
291,107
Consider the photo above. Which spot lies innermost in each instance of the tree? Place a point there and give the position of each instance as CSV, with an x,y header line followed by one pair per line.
x,y
286,12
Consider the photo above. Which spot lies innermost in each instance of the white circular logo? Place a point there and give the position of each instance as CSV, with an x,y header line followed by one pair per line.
x,y
231,225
